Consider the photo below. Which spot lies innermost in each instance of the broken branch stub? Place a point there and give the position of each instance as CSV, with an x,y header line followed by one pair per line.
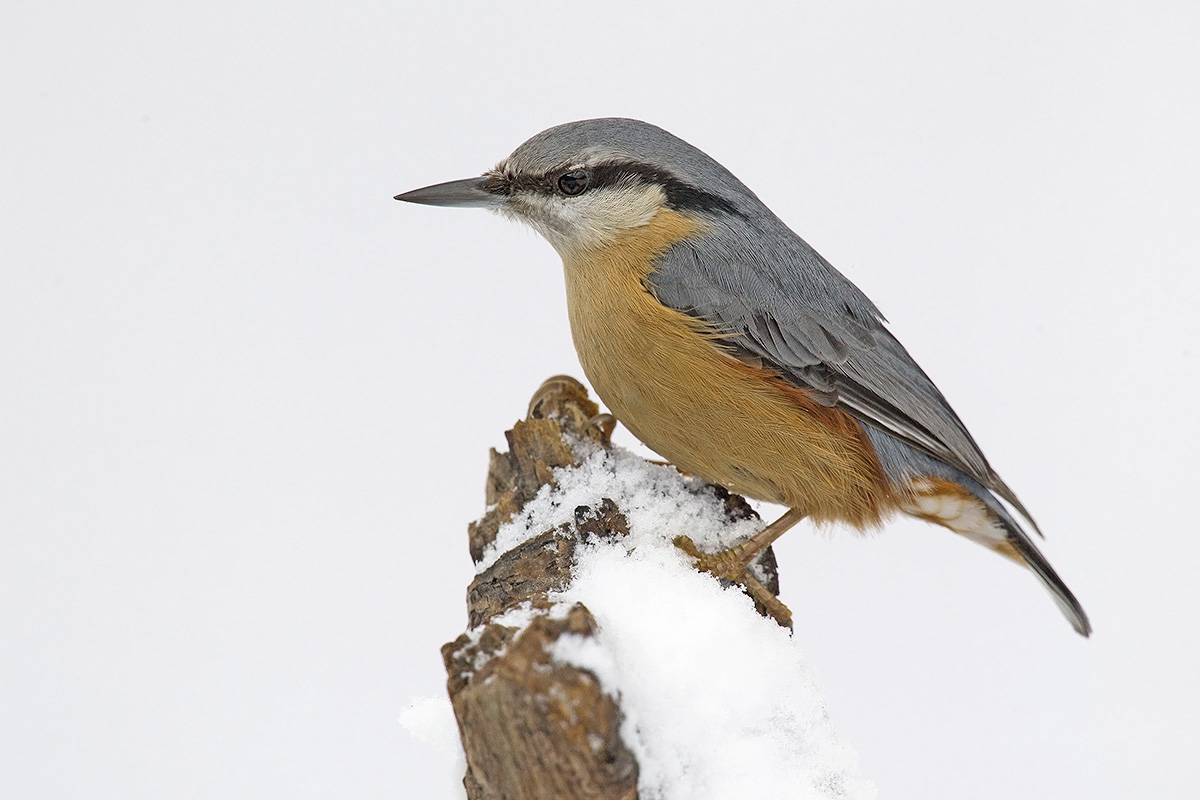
x,y
533,728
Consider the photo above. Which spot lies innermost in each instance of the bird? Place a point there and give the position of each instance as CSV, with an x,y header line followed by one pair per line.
x,y
728,345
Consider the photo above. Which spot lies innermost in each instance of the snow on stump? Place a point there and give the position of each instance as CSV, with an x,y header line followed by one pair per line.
x,y
598,662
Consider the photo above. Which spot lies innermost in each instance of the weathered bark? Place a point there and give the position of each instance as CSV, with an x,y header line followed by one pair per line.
x,y
531,728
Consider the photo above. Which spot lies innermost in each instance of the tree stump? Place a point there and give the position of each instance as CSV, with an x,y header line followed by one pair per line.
x,y
533,729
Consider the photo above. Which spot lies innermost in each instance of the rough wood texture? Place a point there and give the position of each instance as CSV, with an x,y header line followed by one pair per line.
x,y
533,729
541,565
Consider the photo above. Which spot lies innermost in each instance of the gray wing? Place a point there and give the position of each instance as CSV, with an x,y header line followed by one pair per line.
x,y
776,301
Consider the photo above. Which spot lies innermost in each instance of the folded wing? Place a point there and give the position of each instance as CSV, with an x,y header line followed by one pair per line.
x,y
771,299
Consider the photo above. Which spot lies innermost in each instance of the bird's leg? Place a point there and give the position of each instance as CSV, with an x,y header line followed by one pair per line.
x,y
732,564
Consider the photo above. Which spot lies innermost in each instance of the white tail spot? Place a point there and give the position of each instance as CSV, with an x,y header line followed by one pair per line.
x,y
950,505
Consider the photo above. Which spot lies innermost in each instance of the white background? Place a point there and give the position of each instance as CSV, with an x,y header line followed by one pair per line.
x,y
246,398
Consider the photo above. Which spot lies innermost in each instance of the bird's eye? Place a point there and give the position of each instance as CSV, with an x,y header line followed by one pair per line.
x,y
573,182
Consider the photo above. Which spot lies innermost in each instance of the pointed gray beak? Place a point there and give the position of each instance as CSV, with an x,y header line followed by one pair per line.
x,y
467,193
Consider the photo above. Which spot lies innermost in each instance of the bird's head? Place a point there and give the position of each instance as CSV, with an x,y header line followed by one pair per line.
x,y
583,184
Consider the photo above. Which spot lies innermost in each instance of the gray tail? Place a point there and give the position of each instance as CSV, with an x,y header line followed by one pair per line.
x,y
940,500
1063,597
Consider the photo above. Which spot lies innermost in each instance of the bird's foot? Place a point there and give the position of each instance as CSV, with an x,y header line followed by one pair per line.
x,y
733,566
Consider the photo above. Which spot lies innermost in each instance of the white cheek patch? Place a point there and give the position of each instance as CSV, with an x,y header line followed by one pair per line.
x,y
589,220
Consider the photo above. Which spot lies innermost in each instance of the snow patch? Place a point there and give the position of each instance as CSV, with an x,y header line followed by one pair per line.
x,y
431,720
653,497
719,702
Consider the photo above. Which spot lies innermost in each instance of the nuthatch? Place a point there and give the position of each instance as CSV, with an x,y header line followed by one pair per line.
x,y
724,342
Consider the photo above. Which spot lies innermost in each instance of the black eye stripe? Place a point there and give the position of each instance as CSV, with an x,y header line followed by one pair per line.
x,y
613,173
681,196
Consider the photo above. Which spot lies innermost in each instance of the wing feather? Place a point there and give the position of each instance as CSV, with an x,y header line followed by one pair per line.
x,y
771,298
